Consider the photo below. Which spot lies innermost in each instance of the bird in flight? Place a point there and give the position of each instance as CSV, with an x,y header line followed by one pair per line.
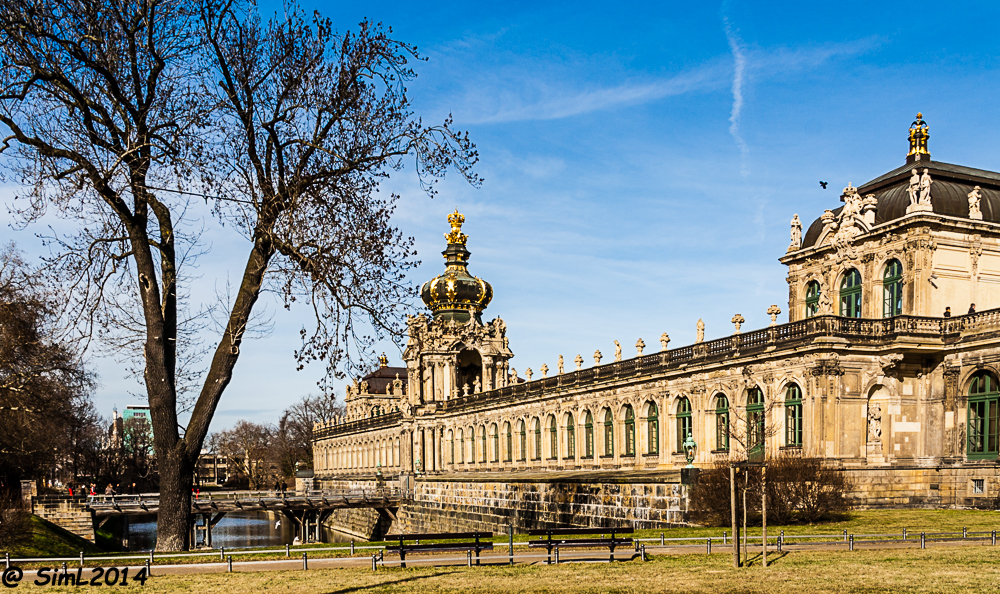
x,y
822,183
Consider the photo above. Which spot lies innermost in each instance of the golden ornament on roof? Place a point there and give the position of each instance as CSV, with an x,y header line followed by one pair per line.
x,y
456,235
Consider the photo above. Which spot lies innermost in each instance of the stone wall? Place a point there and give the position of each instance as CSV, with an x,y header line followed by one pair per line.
x,y
489,501
66,512
925,487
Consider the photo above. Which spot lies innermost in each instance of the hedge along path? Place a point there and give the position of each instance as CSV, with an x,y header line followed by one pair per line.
x,y
946,569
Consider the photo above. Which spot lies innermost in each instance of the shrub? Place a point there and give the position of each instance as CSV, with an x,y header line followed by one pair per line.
x,y
798,490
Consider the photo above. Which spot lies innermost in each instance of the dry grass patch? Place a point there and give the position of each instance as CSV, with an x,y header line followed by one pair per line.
x,y
946,569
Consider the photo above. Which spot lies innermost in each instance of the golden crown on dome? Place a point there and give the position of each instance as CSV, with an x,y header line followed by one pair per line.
x,y
456,294
456,220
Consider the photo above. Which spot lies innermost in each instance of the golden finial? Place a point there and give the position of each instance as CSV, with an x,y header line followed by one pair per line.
x,y
456,235
919,133
383,361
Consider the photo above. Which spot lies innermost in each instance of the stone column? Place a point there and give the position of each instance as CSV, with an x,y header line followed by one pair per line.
x,y
487,374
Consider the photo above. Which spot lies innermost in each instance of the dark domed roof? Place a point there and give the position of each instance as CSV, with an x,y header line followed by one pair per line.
x,y
456,294
949,194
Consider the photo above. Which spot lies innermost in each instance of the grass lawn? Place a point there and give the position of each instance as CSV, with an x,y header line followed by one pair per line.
x,y
49,540
944,569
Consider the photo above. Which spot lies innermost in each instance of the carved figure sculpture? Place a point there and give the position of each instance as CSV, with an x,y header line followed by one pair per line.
x,y
664,341
774,311
925,188
737,321
545,370
364,387
618,351
477,386
559,364
874,422
597,357
579,362
700,335
796,234
913,190
513,376
825,304
974,197
639,345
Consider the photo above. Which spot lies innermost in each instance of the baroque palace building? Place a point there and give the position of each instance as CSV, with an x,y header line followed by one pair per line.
x,y
880,371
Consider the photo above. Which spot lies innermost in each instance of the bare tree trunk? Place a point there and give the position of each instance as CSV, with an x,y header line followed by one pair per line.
x,y
174,515
763,507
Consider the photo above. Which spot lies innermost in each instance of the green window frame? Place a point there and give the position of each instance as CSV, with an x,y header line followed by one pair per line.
x,y
850,294
892,289
755,424
523,454
812,298
983,416
538,439
588,435
570,436
722,423
653,429
684,425
793,416
553,438
609,433
496,442
510,443
629,431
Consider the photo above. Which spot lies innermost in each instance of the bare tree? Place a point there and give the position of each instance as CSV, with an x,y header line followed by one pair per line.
x,y
293,434
45,406
119,113
247,449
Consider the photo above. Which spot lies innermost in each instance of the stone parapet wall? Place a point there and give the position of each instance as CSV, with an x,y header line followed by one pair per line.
x,y
488,502
924,487
66,512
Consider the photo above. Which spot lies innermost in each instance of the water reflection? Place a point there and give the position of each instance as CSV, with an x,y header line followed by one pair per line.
x,y
236,530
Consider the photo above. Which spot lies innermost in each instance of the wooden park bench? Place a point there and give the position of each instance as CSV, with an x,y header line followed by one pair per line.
x,y
405,546
549,542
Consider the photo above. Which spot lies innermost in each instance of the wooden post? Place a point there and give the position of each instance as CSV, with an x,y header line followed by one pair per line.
x,y
732,502
763,507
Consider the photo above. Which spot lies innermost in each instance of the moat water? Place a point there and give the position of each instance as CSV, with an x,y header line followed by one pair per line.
x,y
236,531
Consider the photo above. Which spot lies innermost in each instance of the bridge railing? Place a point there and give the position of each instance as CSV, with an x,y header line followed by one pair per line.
x,y
269,496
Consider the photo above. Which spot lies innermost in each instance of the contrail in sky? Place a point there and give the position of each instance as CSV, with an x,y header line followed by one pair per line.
x,y
739,64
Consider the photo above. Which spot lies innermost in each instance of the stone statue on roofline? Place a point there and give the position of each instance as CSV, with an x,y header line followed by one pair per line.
x,y
618,351
796,242
559,364
700,334
974,209
639,345
664,341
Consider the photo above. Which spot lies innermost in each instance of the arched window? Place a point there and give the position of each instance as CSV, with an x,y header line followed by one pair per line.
x,y
522,454
570,436
482,438
755,424
451,440
652,430
850,294
984,404
609,433
538,439
553,438
812,298
629,431
472,445
461,447
892,289
722,423
683,422
793,416
510,443
496,442
588,435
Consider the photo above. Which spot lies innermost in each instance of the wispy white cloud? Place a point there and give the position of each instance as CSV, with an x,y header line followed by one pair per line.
x,y
739,66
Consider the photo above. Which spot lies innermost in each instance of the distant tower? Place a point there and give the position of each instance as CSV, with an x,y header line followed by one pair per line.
x,y
454,348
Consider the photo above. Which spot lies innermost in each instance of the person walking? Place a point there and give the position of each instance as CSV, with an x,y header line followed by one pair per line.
x,y
284,488
947,312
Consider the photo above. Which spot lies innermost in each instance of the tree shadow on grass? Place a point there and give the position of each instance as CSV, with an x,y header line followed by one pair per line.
x,y
392,583
756,560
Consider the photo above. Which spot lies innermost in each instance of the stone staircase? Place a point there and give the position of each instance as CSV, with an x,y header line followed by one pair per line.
x,y
66,512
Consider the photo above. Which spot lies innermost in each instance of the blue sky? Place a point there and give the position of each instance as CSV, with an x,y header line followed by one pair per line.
x,y
642,161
